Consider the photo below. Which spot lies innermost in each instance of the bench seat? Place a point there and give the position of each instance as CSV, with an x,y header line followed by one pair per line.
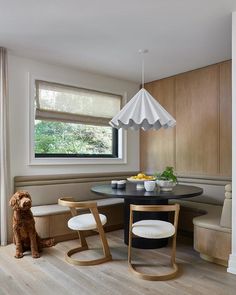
x,y
211,240
51,220
201,214
54,209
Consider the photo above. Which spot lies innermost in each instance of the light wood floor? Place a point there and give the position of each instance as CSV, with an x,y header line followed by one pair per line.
x,y
50,274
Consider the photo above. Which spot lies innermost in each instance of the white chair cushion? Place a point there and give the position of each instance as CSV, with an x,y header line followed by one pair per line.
x,y
85,222
153,229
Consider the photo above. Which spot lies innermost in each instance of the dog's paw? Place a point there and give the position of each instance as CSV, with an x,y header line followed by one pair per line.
x,y
35,255
19,255
46,243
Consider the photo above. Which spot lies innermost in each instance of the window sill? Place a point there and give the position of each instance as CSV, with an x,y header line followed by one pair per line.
x,y
76,161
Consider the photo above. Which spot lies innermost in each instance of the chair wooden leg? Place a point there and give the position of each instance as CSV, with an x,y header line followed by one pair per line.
x,y
84,262
107,256
105,246
173,250
84,246
82,239
166,276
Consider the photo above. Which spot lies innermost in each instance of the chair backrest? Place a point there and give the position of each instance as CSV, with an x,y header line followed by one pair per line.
x,y
157,208
73,205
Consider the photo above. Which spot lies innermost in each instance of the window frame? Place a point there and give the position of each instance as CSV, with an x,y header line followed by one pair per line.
x,y
114,154
119,155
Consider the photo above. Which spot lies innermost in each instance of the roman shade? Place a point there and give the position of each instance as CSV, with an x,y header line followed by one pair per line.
x,y
58,102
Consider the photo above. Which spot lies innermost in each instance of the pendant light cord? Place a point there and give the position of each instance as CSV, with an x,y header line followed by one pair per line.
x,y
143,72
143,51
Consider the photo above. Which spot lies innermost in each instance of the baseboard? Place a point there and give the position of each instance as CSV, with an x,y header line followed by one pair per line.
x,y
232,264
214,260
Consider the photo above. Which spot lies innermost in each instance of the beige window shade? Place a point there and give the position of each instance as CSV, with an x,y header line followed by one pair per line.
x,y
59,102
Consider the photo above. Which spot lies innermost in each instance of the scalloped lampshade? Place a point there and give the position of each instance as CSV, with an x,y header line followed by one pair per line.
x,y
144,112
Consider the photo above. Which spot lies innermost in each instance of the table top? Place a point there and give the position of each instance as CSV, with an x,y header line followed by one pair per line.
x,y
179,191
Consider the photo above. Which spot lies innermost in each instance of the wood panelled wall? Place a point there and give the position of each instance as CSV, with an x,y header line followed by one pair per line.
x,y
200,144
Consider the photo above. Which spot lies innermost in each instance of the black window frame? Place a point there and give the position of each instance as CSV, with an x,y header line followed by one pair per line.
x,y
115,142
84,120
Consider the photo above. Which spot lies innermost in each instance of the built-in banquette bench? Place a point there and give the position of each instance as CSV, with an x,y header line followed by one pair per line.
x,y
201,214
51,218
209,218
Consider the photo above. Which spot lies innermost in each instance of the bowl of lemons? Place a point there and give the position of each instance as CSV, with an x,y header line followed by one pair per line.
x,y
139,180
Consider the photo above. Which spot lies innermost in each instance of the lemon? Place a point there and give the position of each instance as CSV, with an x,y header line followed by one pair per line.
x,y
141,175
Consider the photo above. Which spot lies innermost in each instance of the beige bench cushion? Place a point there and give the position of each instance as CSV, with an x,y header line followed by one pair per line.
x,y
49,194
54,209
212,194
211,214
228,187
226,216
228,195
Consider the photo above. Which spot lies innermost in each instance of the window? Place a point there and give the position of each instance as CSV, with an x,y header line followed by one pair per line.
x,y
74,122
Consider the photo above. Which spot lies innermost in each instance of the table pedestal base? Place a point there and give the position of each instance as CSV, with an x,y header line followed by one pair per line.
x,y
143,243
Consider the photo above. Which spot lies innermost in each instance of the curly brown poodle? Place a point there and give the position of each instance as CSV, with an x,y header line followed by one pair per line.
x,y
25,236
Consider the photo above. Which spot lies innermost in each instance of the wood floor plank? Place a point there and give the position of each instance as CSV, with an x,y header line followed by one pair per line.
x,y
52,275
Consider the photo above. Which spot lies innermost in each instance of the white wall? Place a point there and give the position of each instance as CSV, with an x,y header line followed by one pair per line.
x,y
19,115
232,260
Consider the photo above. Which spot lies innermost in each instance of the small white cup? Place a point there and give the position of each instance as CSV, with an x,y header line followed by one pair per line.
x,y
114,184
149,185
121,184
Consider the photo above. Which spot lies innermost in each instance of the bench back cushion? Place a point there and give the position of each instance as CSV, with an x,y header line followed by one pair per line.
x,y
46,190
49,194
213,189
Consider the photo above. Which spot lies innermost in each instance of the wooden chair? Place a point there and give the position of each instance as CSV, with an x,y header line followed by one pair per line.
x,y
154,229
83,222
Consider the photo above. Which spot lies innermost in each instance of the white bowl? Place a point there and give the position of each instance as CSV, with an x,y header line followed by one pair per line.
x,y
166,185
149,185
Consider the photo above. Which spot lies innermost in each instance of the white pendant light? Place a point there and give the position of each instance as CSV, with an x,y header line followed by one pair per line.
x,y
143,111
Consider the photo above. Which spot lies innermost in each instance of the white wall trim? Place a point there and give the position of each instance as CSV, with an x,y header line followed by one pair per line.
x,y
232,264
232,258
122,134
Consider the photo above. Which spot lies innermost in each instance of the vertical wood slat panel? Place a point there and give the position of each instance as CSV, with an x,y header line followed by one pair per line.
x,y
225,119
197,131
201,102
158,147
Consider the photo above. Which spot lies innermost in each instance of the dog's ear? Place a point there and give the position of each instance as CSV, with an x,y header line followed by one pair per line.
x,y
12,201
28,195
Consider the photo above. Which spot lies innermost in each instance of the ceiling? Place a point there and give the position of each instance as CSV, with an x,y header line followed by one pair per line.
x,y
104,36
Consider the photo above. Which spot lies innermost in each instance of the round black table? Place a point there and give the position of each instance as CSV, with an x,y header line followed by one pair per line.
x,y
141,197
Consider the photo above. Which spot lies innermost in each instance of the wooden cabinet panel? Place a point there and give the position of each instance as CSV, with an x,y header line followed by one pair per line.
x,y
225,119
158,147
197,129
201,102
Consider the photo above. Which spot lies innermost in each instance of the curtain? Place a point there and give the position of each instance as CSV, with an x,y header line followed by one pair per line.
x,y
4,179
